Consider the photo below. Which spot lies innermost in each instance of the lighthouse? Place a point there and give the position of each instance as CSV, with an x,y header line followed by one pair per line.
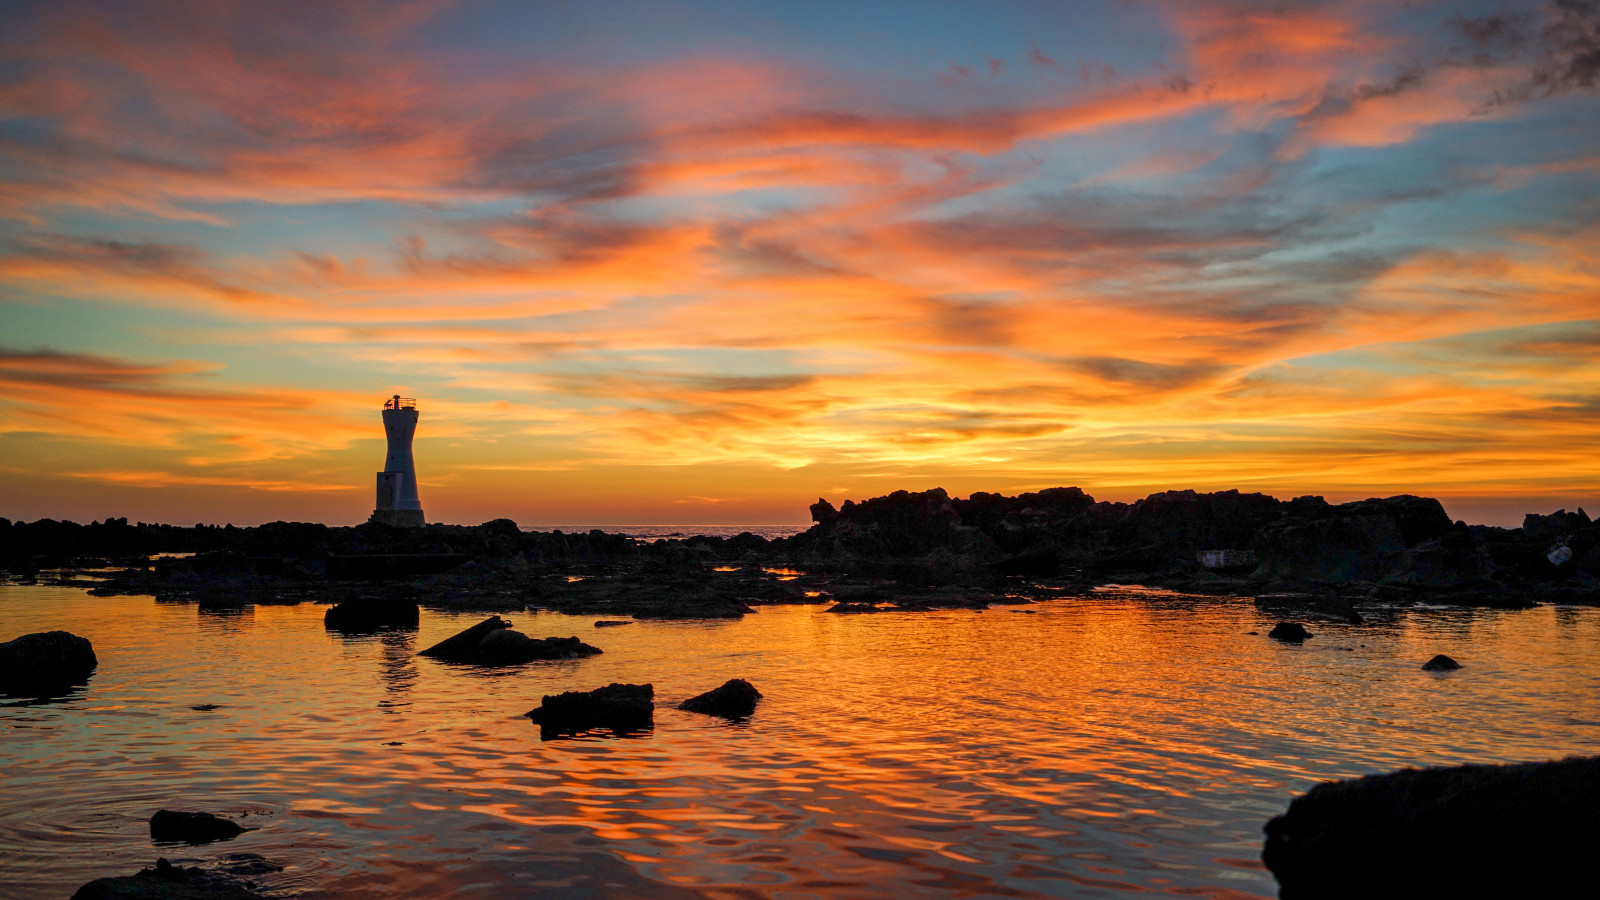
x,y
398,504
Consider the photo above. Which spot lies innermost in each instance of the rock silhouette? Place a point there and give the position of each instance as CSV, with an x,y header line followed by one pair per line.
x,y
371,613
1524,830
164,881
1292,632
1441,663
493,642
192,827
736,699
45,661
619,707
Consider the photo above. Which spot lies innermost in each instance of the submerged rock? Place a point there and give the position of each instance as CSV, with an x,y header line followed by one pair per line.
x,y
192,827
45,660
611,623
619,707
371,613
1441,663
736,699
1293,632
164,881
492,642
1524,830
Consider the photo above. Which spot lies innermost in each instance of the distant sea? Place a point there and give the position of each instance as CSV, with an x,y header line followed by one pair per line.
x,y
652,532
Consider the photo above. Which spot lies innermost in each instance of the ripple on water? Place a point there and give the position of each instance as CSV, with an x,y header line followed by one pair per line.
x,y
1131,742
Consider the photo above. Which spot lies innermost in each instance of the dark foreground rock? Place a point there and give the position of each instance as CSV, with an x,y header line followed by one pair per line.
x,y
192,827
164,881
45,660
1292,632
1524,830
493,642
371,613
1441,663
619,707
736,699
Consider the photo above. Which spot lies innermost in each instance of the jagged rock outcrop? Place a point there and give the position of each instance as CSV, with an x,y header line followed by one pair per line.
x,y
1523,830
45,661
164,881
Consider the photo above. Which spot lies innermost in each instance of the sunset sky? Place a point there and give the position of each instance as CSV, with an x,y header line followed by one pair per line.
x,y
703,263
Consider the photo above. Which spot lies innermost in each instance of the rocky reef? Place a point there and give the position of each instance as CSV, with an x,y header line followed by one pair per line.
x,y
903,552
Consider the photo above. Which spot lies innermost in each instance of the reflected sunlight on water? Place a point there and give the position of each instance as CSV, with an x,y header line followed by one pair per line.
x,y
1130,742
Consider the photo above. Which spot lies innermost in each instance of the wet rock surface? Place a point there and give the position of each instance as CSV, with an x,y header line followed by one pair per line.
x,y
1523,830
164,881
735,699
192,827
1441,663
361,614
45,661
622,708
493,642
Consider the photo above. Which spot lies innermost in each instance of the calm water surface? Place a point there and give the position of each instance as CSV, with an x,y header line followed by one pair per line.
x,y
1130,743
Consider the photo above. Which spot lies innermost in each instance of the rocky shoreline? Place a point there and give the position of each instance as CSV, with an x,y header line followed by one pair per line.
x,y
901,552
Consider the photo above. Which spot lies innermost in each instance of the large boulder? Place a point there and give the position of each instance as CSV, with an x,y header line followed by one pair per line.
x,y
492,642
1524,830
192,827
164,881
44,661
736,699
619,707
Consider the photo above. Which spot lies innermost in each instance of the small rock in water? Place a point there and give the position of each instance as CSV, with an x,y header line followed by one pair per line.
x,y
1523,830
492,642
165,881
192,827
1293,632
619,707
371,613
1441,663
736,699
611,623
205,707
45,660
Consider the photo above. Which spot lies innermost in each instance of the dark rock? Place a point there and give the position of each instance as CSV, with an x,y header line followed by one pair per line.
x,y
192,827
370,614
611,623
1524,830
45,660
619,707
1338,609
1289,631
736,699
506,647
205,707
1441,663
493,643
164,881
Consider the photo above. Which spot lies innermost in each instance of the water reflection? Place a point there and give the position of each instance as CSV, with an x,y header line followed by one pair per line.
x,y
1132,742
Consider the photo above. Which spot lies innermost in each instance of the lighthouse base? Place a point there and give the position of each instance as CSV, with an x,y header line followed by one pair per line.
x,y
397,518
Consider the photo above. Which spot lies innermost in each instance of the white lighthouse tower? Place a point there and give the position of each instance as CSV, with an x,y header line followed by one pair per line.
x,y
398,504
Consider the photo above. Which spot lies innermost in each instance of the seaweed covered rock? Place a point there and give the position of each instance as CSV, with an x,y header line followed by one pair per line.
x,y
1523,830
164,881
619,707
45,660
493,642
736,699
192,827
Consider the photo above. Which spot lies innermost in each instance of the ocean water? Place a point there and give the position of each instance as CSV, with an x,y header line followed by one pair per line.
x,y
1128,743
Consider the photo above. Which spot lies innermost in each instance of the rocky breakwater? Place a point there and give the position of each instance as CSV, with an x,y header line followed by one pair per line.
x,y
1303,551
1523,830
493,642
